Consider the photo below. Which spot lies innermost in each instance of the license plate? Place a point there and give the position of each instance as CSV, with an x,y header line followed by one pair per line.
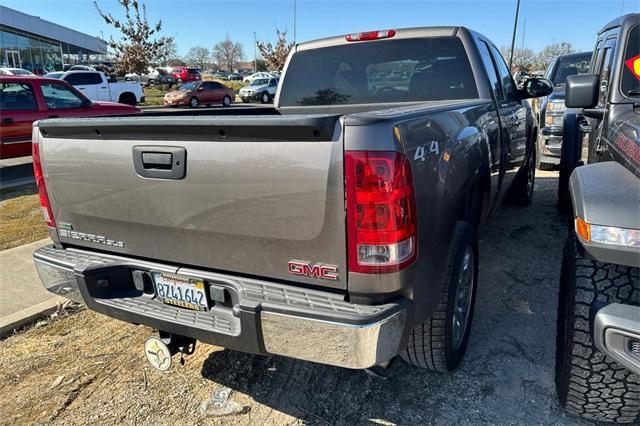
x,y
181,291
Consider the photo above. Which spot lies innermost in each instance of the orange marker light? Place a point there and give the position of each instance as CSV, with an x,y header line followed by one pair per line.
x,y
634,65
583,229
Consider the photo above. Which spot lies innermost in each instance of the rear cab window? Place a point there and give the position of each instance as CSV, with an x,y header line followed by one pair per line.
x,y
630,79
400,70
17,97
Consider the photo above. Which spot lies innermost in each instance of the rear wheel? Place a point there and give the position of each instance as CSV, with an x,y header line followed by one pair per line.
x,y
589,383
521,191
226,101
440,342
265,98
194,102
128,98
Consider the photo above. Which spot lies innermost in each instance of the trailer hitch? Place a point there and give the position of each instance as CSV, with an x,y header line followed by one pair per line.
x,y
160,350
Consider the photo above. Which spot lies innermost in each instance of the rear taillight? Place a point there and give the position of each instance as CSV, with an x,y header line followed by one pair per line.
x,y
42,189
381,211
370,35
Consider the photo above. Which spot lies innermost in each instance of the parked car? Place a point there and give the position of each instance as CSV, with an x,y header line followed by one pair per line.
x,y
199,93
550,109
235,76
155,76
25,99
258,75
340,226
262,89
96,86
220,75
598,334
184,74
15,71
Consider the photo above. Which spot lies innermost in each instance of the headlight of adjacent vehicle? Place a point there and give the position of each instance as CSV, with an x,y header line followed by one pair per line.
x,y
553,120
556,107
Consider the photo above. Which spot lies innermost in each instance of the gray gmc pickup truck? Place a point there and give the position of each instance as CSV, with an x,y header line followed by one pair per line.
x,y
340,226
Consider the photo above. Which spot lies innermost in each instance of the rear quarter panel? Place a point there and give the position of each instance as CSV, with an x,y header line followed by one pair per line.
x,y
449,151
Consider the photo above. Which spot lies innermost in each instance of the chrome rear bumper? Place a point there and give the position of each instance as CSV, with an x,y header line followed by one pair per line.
x,y
258,316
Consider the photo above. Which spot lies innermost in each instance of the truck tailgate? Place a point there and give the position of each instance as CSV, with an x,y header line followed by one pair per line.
x,y
256,193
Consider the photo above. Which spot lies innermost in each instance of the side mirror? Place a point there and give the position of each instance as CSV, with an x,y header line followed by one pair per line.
x,y
536,88
581,91
86,103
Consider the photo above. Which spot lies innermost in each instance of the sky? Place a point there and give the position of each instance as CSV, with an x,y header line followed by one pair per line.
x,y
205,22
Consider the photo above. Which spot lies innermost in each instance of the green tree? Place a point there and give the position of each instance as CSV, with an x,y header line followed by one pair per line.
x,y
137,47
276,55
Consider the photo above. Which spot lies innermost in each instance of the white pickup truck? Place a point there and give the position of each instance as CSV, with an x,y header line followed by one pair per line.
x,y
96,86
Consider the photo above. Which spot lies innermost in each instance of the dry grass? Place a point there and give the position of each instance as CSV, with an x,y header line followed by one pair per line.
x,y
90,369
21,220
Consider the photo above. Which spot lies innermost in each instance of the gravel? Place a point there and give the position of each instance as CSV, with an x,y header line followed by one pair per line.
x,y
506,377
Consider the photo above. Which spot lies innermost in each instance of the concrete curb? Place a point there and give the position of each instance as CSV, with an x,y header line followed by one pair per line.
x,y
29,315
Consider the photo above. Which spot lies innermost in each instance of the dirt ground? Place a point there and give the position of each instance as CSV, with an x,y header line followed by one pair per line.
x,y
87,368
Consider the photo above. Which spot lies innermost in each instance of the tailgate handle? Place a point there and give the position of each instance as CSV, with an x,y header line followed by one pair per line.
x,y
160,162
157,160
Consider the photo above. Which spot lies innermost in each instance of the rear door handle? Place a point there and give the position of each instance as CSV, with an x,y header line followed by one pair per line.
x,y
7,120
160,162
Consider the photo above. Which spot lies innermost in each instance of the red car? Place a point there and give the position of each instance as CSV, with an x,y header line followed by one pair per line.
x,y
199,93
184,74
25,99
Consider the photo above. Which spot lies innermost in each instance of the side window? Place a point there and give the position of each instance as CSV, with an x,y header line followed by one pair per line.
x,y
508,88
215,85
604,73
17,96
597,57
273,83
57,96
97,79
630,80
79,79
489,66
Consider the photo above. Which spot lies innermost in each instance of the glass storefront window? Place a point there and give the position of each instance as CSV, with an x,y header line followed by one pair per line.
x,y
35,55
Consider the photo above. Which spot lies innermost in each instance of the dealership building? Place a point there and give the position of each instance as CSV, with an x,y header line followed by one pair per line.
x,y
40,46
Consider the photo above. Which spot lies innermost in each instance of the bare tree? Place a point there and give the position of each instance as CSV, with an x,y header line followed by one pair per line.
x,y
523,59
198,56
276,56
551,51
167,52
137,48
227,54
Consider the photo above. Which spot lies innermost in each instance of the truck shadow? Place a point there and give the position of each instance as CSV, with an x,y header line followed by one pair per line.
x,y
507,374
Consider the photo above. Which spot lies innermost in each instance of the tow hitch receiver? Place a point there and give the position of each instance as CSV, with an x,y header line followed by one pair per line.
x,y
160,350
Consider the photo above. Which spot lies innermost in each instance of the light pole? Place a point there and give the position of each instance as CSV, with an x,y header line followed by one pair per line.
x,y
255,53
294,21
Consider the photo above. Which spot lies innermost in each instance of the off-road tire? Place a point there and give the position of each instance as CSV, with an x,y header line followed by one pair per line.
x,y
589,383
430,344
521,190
